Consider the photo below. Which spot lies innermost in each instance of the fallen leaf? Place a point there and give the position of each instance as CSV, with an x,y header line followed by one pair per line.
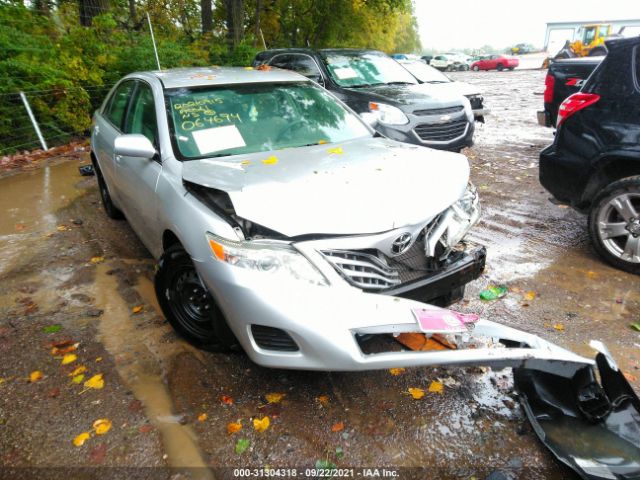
x,y
233,427
96,382
248,68
396,371
321,142
226,399
61,228
35,376
260,425
635,326
630,377
80,439
102,426
98,359
529,296
78,371
274,397
137,309
436,387
245,162
77,379
52,328
202,417
337,427
145,428
97,259
324,400
20,227
54,393
592,275
98,453
337,150
69,358
64,347
264,67
416,393
559,327
272,160
242,445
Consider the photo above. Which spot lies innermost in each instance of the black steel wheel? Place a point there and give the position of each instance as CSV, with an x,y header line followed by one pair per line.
x,y
187,304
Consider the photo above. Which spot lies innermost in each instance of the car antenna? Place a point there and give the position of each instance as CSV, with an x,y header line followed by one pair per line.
x,y
153,40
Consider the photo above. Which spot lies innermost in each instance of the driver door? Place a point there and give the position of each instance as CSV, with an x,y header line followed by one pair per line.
x,y
138,177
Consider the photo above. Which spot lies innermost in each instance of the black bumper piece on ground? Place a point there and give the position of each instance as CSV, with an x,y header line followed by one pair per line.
x,y
594,428
438,287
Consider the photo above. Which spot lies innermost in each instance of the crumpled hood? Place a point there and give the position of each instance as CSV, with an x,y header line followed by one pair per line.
x,y
361,186
406,97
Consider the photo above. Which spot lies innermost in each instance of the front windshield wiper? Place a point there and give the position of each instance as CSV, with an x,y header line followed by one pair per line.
x,y
400,83
436,81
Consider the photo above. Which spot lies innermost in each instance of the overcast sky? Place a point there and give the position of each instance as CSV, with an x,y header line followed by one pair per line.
x,y
473,23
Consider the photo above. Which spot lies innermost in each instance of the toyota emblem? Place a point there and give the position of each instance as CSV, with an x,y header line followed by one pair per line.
x,y
401,244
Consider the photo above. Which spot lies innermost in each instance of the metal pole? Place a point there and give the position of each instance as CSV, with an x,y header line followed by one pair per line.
x,y
263,42
33,121
153,39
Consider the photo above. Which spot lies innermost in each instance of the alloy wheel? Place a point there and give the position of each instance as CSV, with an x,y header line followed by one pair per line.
x,y
618,225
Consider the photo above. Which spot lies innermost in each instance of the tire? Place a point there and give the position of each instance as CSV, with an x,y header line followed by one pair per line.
x,y
187,304
511,69
110,209
500,67
476,68
598,51
614,224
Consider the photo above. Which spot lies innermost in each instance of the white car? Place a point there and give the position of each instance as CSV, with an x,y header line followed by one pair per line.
x,y
443,62
438,82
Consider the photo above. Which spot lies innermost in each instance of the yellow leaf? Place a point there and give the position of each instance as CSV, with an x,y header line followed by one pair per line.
x,y
61,228
78,371
98,359
274,397
337,427
97,259
35,376
248,68
261,424
337,150
233,427
396,371
69,358
137,309
102,426
245,162
324,400
80,439
530,296
416,393
592,275
272,160
78,379
559,327
321,142
202,417
95,382
436,387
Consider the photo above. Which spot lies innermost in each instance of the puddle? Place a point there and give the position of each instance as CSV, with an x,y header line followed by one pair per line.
x,y
141,358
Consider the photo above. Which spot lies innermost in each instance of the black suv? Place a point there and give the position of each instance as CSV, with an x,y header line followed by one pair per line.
x,y
594,162
384,93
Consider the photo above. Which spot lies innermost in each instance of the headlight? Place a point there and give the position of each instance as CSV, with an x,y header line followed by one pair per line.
x,y
272,259
464,215
388,115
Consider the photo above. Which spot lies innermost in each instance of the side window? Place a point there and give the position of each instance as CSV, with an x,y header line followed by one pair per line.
x,y
305,65
282,61
117,105
142,114
636,62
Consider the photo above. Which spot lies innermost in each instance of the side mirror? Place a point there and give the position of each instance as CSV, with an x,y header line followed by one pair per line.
x,y
134,145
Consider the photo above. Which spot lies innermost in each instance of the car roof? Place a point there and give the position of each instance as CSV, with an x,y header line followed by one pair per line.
x,y
202,76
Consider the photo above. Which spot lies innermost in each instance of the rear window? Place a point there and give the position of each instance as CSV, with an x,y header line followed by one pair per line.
x,y
241,119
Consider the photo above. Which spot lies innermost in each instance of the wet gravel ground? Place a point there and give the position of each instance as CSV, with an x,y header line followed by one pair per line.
x,y
65,264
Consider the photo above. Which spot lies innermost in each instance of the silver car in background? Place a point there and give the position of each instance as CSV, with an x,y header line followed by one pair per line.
x,y
282,222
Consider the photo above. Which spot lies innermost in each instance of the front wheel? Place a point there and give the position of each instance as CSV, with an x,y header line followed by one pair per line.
x,y
188,305
614,224
476,68
109,207
500,67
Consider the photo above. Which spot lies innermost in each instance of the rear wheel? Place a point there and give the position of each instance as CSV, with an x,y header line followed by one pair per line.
x,y
188,305
111,210
614,224
500,67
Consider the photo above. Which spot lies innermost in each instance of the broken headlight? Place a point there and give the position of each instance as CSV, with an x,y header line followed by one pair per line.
x,y
270,258
464,215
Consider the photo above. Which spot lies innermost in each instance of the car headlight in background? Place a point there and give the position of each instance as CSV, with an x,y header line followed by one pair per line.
x,y
464,215
387,114
275,259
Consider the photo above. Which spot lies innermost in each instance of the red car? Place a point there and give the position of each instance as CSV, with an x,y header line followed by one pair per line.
x,y
495,62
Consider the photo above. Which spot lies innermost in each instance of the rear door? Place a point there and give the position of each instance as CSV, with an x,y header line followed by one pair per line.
x,y
138,177
109,125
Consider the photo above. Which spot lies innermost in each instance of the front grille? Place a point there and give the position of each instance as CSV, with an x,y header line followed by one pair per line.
x,y
438,111
271,338
441,132
373,271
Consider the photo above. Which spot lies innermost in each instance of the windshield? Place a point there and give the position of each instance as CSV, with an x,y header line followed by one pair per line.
x,y
248,118
425,73
363,69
